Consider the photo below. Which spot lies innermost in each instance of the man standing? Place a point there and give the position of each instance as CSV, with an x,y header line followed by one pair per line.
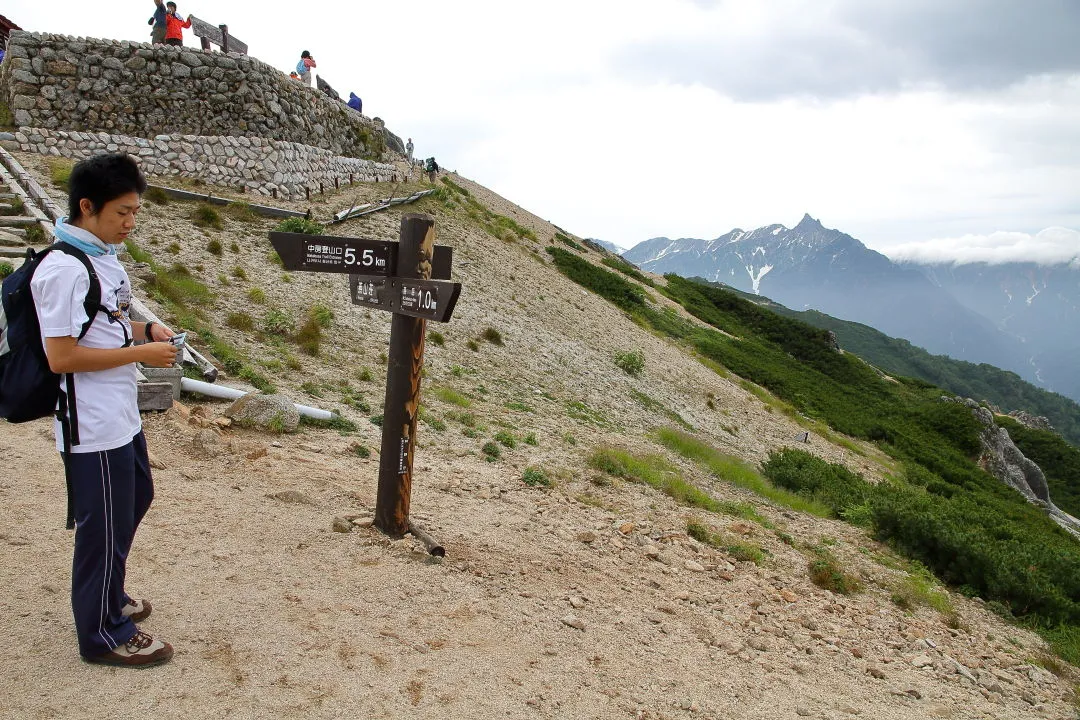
x,y
157,35
174,24
98,428
409,149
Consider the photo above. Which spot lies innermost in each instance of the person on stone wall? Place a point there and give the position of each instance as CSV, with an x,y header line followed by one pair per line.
x,y
303,68
105,456
355,103
157,35
174,26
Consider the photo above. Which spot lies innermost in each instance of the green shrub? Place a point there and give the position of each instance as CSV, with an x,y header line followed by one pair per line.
x,y
60,172
365,375
833,486
322,315
240,211
7,120
473,345
491,451
565,240
361,451
276,322
493,336
256,295
300,225
450,396
536,477
617,263
5,269
505,438
631,362
826,573
205,215
239,273
530,439
436,338
234,247
240,321
35,236
214,247
156,195
174,248
309,336
275,259
605,283
730,469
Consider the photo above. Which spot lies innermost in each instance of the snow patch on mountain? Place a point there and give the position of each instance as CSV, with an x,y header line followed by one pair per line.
x,y
755,278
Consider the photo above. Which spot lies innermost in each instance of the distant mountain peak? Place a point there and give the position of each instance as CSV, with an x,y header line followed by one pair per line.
x,y
808,223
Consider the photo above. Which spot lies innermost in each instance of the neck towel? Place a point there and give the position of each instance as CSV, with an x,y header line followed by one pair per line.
x,y
85,240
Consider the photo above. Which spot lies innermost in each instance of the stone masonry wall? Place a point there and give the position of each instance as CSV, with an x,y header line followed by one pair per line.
x,y
58,82
267,167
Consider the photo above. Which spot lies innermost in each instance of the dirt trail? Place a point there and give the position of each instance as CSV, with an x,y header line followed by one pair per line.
x,y
585,600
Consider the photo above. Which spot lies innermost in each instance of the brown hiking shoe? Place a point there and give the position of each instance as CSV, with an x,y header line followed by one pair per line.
x,y
140,651
137,610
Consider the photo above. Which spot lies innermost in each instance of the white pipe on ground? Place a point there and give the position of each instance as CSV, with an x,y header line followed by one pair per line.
x,y
227,393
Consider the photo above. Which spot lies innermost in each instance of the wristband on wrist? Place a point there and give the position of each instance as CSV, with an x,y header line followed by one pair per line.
x,y
146,331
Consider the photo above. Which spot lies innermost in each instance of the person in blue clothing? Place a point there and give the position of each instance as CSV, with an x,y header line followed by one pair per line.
x,y
157,35
355,103
105,455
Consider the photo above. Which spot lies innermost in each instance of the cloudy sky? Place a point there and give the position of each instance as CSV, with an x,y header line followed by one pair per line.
x,y
940,128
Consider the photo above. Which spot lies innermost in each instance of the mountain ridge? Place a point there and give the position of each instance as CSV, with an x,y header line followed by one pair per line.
x,y
936,307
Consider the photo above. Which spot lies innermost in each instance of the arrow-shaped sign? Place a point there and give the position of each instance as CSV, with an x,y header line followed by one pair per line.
x,y
428,299
328,253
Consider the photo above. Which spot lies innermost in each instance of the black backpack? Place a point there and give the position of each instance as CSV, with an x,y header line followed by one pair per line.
x,y
29,389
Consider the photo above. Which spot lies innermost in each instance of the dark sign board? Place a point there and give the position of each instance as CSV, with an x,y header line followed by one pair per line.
x,y
214,34
329,253
428,299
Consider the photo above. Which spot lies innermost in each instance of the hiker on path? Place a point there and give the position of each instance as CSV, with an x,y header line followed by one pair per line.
x,y
107,465
174,24
303,68
157,35
355,103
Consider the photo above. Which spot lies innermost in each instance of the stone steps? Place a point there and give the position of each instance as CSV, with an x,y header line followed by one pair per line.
x,y
16,220
16,252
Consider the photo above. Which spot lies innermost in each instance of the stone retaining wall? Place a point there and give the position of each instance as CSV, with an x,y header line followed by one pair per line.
x,y
59,82
268,167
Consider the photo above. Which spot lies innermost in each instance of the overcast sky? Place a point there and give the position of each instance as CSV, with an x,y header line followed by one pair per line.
x,y
932,124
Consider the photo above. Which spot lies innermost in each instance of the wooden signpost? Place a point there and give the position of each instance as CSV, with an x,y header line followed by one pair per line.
x,y
409,279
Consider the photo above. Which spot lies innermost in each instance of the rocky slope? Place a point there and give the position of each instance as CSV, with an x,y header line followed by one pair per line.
x,y
585,599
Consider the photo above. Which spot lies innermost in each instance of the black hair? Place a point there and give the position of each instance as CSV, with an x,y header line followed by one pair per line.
x,y
305,54
101,179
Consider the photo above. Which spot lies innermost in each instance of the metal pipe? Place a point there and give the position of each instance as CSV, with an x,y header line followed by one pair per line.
x,y
434,547
227,393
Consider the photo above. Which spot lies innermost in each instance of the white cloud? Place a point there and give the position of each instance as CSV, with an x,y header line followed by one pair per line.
x,y
1051,246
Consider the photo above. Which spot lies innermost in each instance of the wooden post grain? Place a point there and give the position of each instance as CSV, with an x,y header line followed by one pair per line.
x,y
404,361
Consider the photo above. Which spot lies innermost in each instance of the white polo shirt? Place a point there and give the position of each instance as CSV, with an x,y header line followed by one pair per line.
x,y
107,400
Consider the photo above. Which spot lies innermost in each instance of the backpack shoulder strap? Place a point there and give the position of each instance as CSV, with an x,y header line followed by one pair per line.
x,y
92,303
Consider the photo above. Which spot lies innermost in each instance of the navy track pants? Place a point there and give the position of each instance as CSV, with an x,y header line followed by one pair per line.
x,y
112,491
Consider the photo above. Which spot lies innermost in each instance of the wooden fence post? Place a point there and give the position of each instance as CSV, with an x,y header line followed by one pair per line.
x,y
404,362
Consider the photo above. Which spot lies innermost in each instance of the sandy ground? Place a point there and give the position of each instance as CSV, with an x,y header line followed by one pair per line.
x,y
583,600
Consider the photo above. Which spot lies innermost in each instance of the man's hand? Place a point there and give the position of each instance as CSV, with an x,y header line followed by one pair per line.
x,y
158,354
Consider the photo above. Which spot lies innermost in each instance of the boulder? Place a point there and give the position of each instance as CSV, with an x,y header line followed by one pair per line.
x,y
267,412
